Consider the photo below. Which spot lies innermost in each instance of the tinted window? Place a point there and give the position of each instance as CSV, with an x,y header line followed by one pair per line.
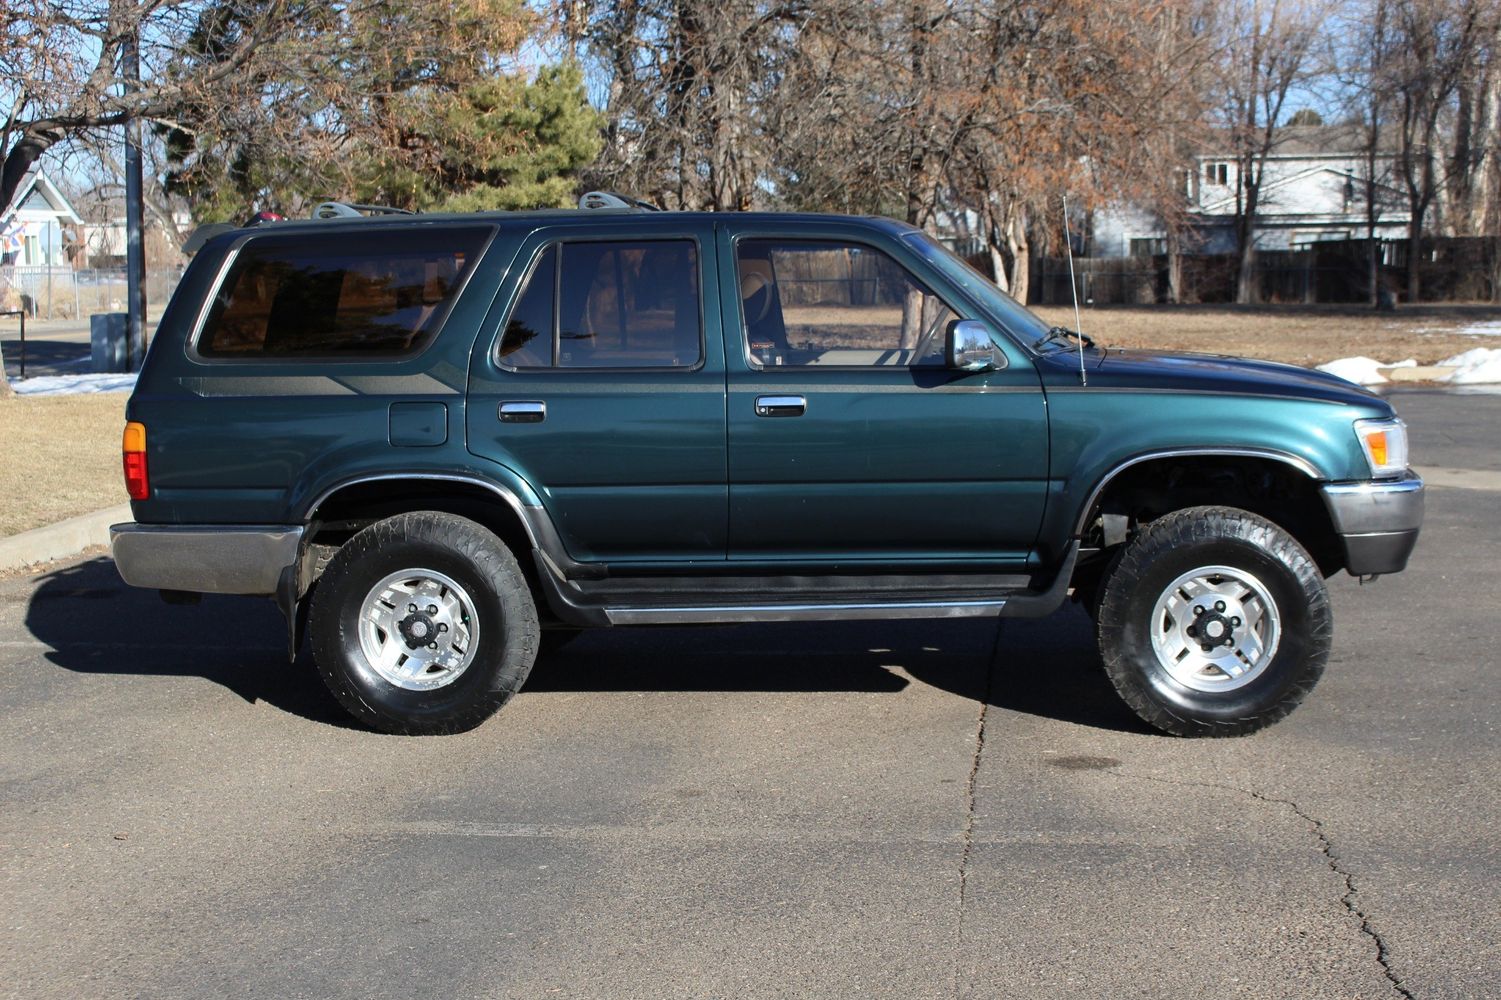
x,y
527,342
609,305
836,304
382,292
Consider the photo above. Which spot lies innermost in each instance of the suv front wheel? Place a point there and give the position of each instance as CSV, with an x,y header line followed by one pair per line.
x,y
1213,622
423,624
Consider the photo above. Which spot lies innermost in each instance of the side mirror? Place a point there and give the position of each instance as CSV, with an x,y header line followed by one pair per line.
x,y
969,347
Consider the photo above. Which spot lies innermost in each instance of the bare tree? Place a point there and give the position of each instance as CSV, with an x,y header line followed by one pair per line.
x,y
1433,50
1266,56
691,84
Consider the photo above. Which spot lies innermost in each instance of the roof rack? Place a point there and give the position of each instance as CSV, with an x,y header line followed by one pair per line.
x,y
343,210
610,199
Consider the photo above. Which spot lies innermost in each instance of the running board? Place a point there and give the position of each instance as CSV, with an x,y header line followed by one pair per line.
x,y
575,608
716,615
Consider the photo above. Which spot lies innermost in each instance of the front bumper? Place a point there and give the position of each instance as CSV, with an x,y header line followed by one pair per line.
x,y
1378,522
206,559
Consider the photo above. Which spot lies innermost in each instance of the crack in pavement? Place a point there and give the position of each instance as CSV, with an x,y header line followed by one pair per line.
x,y
969,801
1331,858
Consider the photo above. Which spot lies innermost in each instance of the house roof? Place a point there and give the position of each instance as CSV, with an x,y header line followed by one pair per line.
x,y
1307,140
36,182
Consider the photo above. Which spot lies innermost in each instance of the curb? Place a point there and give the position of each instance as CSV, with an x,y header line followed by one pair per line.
x,y
60,540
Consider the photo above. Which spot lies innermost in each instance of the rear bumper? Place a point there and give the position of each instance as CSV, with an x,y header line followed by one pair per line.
x,y
207,559
1378,522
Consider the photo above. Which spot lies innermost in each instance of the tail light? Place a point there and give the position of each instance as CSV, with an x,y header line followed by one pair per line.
x,y
134,448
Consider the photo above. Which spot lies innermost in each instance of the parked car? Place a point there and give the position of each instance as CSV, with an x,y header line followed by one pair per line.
x,y
439,442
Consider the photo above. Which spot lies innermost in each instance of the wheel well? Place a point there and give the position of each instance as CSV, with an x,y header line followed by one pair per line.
x,y
348,510
1275,490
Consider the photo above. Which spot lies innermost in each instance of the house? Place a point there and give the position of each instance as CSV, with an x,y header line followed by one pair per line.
x,y
1313,190
40,226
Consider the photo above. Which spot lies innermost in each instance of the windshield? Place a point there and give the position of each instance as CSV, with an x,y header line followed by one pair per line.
x,y
1013,317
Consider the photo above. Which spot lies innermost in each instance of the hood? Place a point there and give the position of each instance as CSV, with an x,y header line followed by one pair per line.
x,y
1132,369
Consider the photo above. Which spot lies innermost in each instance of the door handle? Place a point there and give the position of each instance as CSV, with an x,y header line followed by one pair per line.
x,y
781,406
523,411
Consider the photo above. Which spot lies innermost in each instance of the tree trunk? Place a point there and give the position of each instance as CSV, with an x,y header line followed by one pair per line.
x,y
1414,253
32,144
1245,288
1021,257
1174,267
998,266
911,318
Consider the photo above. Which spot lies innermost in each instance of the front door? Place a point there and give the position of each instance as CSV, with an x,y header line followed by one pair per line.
x,y
849,439
600,387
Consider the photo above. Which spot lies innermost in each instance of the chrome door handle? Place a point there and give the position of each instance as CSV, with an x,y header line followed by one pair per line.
x,y
781,406
523,411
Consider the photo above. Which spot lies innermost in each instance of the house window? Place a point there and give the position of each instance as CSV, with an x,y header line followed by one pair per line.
x,y
1217,173
1148,246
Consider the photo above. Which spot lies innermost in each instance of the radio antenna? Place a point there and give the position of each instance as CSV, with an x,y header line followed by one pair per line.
x,y
1073,286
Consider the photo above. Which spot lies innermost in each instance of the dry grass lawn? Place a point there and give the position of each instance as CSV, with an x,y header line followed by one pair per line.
x,y
62,458
64,451
1299,335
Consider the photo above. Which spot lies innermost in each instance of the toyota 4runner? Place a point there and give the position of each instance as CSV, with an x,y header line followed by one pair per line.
x,y
441,442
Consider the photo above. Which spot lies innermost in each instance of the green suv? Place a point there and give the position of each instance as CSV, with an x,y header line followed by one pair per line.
x,y
442,442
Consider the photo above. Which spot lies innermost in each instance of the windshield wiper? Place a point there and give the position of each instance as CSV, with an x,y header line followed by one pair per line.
x,y
1059,334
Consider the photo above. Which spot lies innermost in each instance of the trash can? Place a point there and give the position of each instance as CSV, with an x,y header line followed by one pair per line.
x,y
107,338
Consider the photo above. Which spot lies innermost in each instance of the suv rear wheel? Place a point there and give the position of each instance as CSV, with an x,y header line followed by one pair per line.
x,y
1213,622
423,624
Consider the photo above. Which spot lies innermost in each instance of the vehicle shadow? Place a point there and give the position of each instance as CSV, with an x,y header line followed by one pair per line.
x,y
45,357
96,624
1049,668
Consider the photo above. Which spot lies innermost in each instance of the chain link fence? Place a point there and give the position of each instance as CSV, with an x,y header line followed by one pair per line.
x,y
64,293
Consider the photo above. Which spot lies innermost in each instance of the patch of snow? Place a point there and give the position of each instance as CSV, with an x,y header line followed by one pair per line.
x,y
1360,370
1482,364
66,385
1408,363
1485,328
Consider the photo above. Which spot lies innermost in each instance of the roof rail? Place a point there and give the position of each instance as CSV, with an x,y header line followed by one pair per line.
x,y
343,210
610,199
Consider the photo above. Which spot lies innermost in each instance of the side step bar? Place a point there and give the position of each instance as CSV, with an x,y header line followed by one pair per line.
x,y
802,612
565,604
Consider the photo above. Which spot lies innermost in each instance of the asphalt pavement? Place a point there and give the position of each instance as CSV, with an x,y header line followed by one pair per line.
x,y
918,809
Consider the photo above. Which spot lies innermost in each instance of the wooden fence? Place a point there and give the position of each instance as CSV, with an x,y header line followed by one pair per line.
x,y
1451,269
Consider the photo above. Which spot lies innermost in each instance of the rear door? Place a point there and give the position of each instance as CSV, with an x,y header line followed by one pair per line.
x,y
600,380
849,439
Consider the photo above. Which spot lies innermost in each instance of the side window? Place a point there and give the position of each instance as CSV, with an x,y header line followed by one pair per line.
x,y
318,296
835,304
528,339
608,305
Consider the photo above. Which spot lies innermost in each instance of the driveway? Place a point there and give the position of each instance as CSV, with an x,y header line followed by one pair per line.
x,y
926,809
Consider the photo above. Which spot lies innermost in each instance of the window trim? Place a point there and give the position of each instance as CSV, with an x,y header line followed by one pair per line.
x,y
559,241
755,365
232,255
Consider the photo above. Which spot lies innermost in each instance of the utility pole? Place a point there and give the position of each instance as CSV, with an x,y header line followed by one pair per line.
x,y
135,257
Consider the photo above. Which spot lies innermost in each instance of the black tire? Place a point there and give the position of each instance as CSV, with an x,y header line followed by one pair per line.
x,y
497,605
1189,702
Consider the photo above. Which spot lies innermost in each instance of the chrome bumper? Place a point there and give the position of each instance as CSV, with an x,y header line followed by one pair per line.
x,y
208,559
1378,521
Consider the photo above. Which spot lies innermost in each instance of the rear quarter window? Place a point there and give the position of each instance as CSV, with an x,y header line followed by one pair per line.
x,y
379,293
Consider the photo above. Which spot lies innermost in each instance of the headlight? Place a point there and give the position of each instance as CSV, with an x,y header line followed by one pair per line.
x,y
1385,445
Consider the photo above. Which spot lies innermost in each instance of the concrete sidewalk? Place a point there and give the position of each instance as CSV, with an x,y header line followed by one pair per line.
x,y
61,540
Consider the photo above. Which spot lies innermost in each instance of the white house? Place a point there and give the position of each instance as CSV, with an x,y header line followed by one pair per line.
x,y
1313,190
39,225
